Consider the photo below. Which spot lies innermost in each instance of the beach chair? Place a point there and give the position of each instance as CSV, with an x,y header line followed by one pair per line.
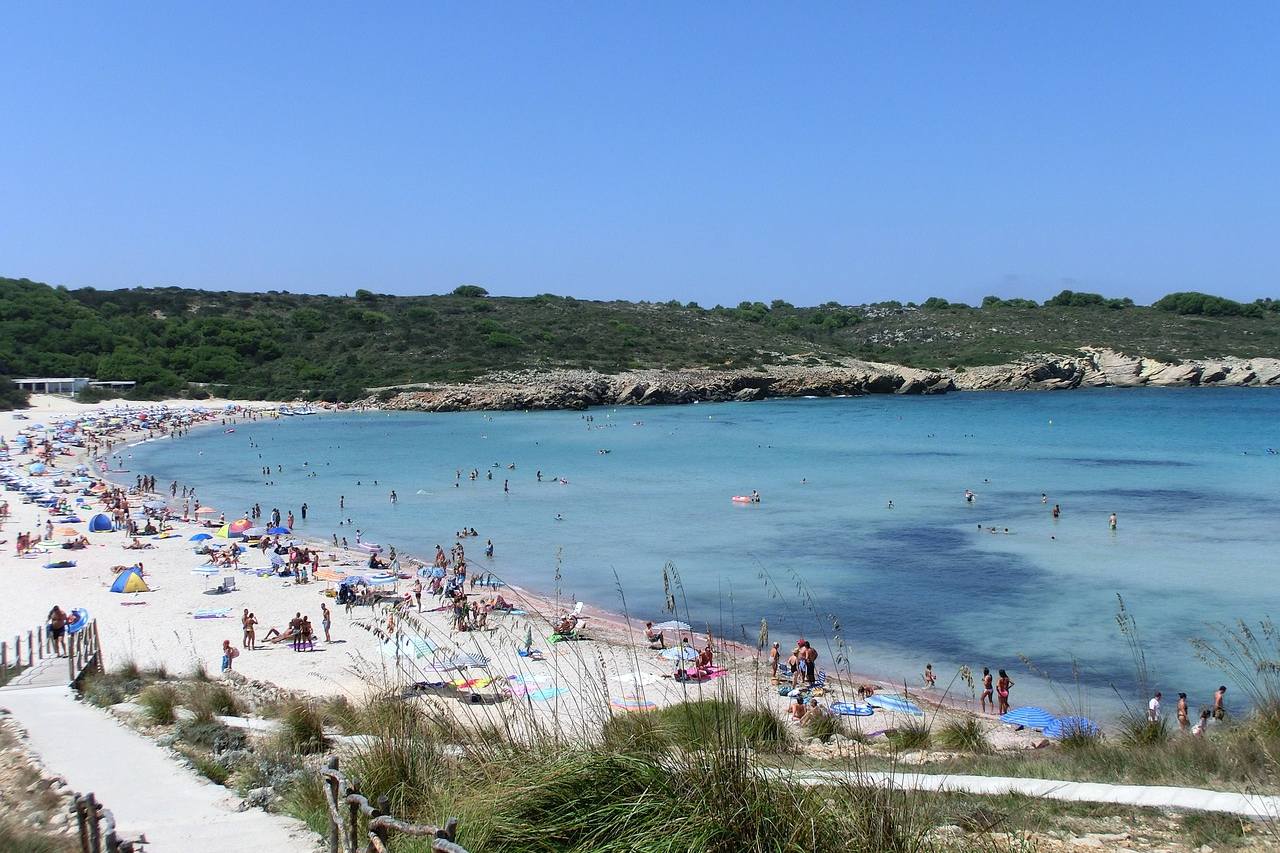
x,y
784,672
820,683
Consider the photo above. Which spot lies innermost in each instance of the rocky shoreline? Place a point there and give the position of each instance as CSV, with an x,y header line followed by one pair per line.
x,y
579,389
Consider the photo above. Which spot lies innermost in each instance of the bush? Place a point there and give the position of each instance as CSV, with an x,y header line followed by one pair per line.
x,y
159,701
1137,730
914,734
102,691
470,290
967,735
214,737
209,700
302,728
1192,302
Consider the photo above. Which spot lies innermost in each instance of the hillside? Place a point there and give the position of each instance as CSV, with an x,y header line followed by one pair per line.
x,y
276,344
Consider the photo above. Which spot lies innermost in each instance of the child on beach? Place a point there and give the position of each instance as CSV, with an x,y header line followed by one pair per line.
x,y
229,653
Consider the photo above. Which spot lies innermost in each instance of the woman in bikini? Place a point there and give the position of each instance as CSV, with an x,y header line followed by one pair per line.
x,y
1002,690
988,694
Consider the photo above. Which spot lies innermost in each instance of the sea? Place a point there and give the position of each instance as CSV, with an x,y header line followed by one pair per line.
x,y
864,540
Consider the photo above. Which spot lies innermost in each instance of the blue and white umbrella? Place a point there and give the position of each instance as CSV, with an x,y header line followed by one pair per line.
x,y
1029,717
1068,726
680,653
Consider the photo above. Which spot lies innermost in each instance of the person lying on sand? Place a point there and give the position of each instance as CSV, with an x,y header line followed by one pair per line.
x,y
138,545
274,635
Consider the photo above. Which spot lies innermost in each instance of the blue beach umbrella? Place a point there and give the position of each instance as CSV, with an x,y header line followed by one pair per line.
x,y
1068,726
1029,717
277,531
200,537
680,653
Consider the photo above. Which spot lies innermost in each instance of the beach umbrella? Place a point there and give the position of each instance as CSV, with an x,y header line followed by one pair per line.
x,y
205,570
240,525
680,653
1029,717
224,532
673,625
254,532
278,531
413,648
464,660
36,468
200,537
205,510
1067,726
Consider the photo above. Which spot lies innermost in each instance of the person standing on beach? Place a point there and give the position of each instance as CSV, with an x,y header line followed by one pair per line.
x,y
1220,709
228,655
57,630
811,663
987,697
326,619
1153,708
1003,685
930,680
247,622
774,654
417,592
1184,720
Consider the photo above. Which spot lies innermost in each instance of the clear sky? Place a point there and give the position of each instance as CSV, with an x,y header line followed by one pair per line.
x,y
707,151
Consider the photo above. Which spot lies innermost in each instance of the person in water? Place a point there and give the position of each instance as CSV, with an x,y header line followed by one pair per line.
x,y
930,680
1057,510
1112,521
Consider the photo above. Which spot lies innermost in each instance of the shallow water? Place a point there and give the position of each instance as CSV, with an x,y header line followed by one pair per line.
x,y
1185,470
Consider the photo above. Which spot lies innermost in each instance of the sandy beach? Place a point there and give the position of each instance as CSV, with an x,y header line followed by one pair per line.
x,y
182,621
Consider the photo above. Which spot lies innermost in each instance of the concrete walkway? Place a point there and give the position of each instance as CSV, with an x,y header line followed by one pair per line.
x,y
1256,806
139,782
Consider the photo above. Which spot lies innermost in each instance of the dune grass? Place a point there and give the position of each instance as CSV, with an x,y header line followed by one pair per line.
x,y
159,703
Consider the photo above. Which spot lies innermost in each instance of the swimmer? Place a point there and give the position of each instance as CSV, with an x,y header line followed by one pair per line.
x,y
1112,521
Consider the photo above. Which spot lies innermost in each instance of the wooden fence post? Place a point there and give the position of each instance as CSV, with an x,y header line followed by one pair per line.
x,y
17,652
31,648
97,646
95,833
382,808
40,634
82,824
4,656
353,831
331,782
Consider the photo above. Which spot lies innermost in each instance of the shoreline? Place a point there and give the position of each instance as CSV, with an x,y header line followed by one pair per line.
x,y
619,637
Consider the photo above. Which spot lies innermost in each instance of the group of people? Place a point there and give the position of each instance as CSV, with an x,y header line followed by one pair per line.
x,y
801,664
300,633
1216,711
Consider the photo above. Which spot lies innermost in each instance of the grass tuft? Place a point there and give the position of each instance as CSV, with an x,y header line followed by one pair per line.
x,y
914,734
159,702
967,735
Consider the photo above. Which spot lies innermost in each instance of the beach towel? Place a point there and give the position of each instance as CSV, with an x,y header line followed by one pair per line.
x,y
895,703
546,693
210,613
61,564
632,703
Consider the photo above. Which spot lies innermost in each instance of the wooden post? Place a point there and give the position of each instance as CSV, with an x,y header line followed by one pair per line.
x,y
353,830
4,656
40,634
95,835
17,652
97,645
382,807
82,823
335,831
31,648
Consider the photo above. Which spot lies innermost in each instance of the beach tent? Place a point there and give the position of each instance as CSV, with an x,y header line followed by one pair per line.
x,y
101,523
130,580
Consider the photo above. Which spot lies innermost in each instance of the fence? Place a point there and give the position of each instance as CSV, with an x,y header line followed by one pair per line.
x,y
348,808
97,829
83,650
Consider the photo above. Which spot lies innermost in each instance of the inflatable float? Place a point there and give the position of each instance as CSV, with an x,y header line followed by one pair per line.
x,y
79,621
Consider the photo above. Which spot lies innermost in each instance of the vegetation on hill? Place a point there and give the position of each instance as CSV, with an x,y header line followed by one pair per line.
x,y
278,344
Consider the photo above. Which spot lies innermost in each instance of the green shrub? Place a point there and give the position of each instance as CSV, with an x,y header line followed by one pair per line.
x,y
913,734
159,701
101,690
303,728
1137,730
212,736
967,735
208,700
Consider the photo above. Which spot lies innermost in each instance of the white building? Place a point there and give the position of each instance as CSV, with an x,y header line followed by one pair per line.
x,y
67,385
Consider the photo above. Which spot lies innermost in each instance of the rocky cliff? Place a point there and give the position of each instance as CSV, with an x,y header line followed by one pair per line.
x,y
578,389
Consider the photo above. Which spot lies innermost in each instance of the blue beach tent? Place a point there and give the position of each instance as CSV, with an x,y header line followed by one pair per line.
x,y
101,523
1029,717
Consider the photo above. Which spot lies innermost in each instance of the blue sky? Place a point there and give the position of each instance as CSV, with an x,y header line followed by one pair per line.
x,y
714,151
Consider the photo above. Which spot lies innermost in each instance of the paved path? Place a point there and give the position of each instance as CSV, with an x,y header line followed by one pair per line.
x,y
1151,796
139,782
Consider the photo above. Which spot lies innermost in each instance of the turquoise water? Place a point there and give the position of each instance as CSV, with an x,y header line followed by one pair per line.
x,y
1186,471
